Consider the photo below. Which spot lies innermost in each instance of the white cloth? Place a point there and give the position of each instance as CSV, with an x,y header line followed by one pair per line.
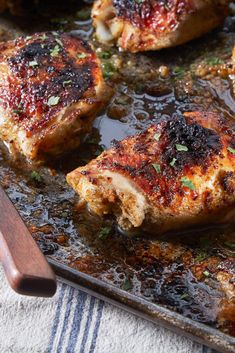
x,y
75,322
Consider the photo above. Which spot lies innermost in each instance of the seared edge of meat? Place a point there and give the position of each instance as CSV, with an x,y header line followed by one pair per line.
x,y
51,88
178,173
151,25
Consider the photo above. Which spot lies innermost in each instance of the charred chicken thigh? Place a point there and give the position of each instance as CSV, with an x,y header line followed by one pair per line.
x,y
51,87
180,172
155,24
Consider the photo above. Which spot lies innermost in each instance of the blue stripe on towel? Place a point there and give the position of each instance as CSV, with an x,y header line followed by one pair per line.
x,y
77,319
97,326
56,318
66,319
88,324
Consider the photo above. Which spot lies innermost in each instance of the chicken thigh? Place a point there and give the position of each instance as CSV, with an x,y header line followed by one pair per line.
x,y
51,88
180,172
139,25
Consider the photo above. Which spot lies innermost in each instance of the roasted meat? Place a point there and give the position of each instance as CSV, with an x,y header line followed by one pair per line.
x,y
51,88
155,24
180,172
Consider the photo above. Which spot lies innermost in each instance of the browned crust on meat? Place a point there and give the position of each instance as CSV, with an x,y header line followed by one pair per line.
x,y
154,24
203,146
160,15
182,168
51,88
36,74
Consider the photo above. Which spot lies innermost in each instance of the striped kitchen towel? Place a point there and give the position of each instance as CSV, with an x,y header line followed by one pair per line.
x,y
75,322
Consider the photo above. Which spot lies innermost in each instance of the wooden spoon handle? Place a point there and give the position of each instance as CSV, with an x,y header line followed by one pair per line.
x,y
26,268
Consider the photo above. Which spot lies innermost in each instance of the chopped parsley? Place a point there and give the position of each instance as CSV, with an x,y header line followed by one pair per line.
x,y
126,284
65,83
108,70
230,245
18,110
104,232
104,55
157,136
157,167
82,55
35,176
59,21
184,296
178,71
172,163
33,63
55,51
59,42
214,61
43,37
206,273
181,148
166,6
84,14
123,99
231,150
53,100
139,88
187,183
200,256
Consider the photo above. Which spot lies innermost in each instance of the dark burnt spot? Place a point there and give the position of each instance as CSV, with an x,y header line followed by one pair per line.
x,y
227,181
117,144
75,80
46,66
125,168
39,90
148,12
38,52
200,142
85,172
30,52
139,147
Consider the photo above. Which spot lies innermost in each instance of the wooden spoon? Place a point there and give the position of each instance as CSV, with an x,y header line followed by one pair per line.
x,y
26,268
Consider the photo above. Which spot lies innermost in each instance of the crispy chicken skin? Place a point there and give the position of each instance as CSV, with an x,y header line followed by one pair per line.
x,y
178,173
51,88
155,24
